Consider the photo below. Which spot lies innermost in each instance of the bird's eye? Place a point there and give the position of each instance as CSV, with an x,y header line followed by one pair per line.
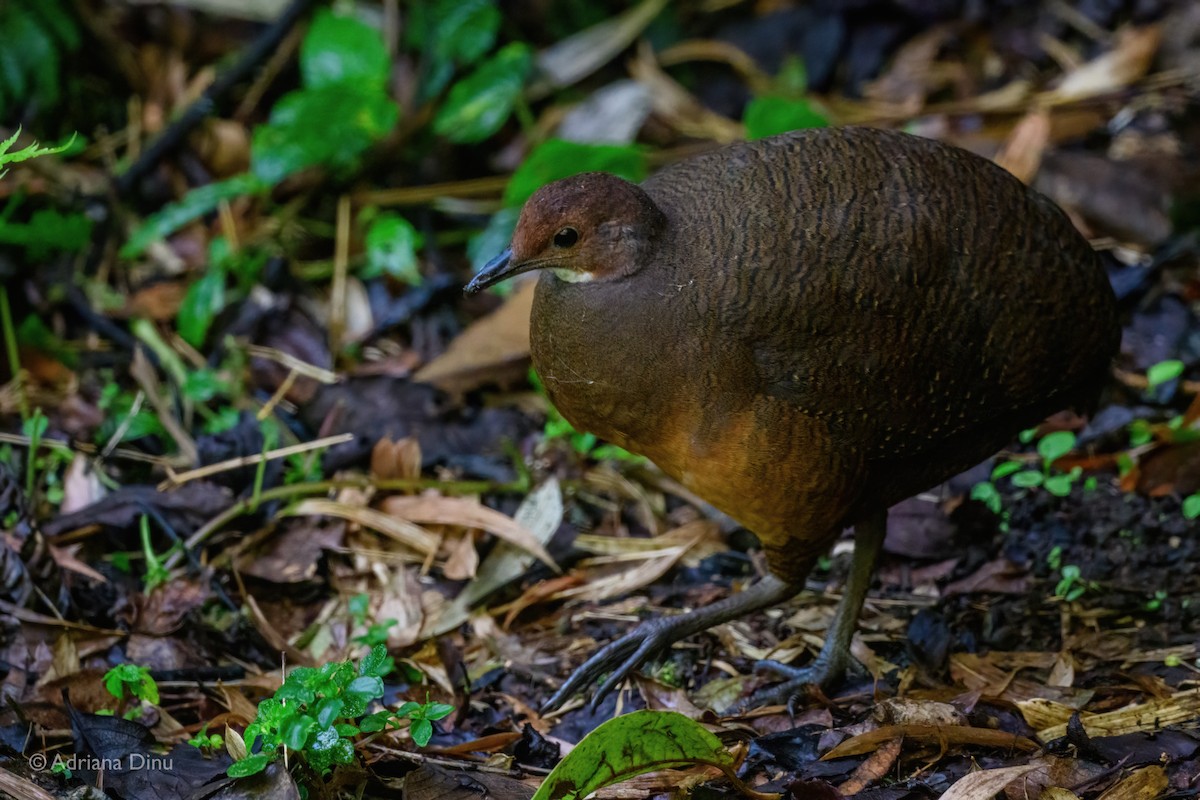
x,y
566,237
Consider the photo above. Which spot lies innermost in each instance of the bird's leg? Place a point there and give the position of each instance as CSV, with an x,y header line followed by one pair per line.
x,y
622,656
834,659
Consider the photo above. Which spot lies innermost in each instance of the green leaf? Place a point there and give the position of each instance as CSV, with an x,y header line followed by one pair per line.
x,y
1191,506
48,231
392,245
342,50
630,745
1163,372
481,102
250,765
376,663
326,711
407,709
422,731
437,711
555,159
1058,485
1140,432
375,722
34,150
1027,479
204,300
36,34
986,493
767,116
1054,446
191,206
1005,469
367,686
329,126
294,731
464,29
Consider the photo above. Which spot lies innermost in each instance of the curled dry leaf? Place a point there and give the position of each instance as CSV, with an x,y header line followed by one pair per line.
x,y
1022,153
677,106
577,56
394,527
437,510
987,783
494,349
396,460
1126,63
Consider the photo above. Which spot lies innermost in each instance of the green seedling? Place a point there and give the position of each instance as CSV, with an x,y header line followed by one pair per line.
x,y
130,682
318,714
156,572
1071,586
206,742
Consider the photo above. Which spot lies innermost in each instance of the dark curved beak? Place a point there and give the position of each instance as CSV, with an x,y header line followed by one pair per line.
x,y
499,268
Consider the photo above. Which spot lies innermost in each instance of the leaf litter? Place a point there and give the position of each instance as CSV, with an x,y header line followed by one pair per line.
x,y
351,452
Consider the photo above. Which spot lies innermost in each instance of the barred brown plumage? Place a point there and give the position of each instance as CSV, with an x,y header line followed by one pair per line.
x,y
805,330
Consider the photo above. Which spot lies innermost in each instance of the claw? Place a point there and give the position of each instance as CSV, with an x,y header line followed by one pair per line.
x,y
623,656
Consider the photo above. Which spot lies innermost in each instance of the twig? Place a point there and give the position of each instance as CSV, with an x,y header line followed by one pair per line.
x,y
176,480
302,368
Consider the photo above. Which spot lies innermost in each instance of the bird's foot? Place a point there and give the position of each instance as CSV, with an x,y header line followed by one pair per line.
x,y
618,659
823,673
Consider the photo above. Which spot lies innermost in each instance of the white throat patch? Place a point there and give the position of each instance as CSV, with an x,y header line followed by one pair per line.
x,y
572,276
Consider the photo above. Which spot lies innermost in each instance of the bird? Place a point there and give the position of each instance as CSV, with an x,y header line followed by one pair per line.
x,y
805,330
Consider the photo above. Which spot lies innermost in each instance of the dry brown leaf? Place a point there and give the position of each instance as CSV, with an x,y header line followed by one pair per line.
x,y
1041,713
1057,793
18,788
1149,716
397,528
494,349
396,460
1022,153
904,711
541,512
876,766
678,107
986,784
463,561
401,601
580,54
435,509
1143,784
911,77
930,734
1126,63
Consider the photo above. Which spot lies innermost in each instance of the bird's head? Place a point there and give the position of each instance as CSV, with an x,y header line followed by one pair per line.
x,y
590,227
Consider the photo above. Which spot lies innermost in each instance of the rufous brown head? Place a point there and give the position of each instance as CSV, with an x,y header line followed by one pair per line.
x,y
590,227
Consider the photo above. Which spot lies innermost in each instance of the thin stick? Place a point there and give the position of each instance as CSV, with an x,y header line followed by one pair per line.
x,y
176,480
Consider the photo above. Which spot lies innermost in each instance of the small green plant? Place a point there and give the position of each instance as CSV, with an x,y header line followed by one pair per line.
x,y
1191,506
1156,603
1052,447
43,464
1054,558
318,712
156,572
61,769
1163,372
377,632
423,715
206,742
130,682
1071,585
